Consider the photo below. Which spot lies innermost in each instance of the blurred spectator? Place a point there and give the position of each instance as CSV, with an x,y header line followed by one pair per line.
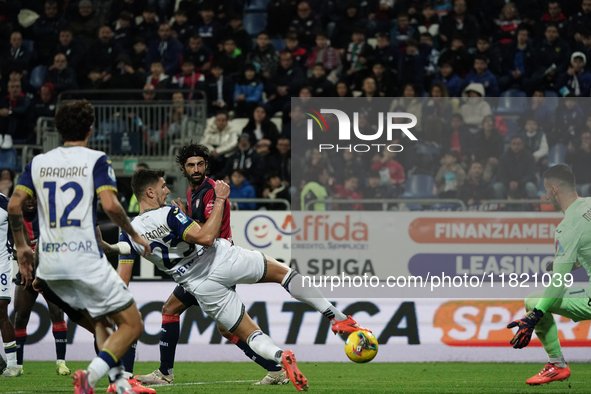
x,y
348,21
139,54
384,52
279,16
219,89
104,51
285,83
517,62
409,102
7,182
263,56
158,78
437,113
275,188
551,57
124,76
542,113
60,75
507,25
14,116
585,45
428,21
457,56
357,53
45,105
319,83
248,92
457,138
447,77
391,171
429,56
402,31
279,161
384,80
85,23
554,17
148,25
208,28
168,50
326,55
221,140
261,130
95,79
516,176
73,49
231,58
475,107
199,54
46,30
575,80
580,161
240,188
348,164
181,29
488,145
134,7
237,32
342,90
451,175
188,78
123,31
410,69
16,56
349,190
570,121
492,54
374,190
247,160
314,188
535,140
292,45
304,24
581,21
481,75
459,23
475,189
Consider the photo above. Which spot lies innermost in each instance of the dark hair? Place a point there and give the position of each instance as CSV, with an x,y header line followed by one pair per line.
x,y
195,37
150,9
180,11
264,32
412,43
270,176
239,171
373,174
562,173
142,179
191,150
143,165
74,120
481,57
188,60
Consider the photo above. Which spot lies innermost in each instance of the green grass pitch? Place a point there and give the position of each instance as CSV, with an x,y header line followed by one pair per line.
x,y
222,378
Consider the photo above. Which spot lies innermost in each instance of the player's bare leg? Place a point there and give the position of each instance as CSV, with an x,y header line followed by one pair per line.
x,y
7,330
293,283
251,333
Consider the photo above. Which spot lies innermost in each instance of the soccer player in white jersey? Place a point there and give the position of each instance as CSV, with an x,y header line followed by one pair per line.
x,y
67,181
208,268
6,327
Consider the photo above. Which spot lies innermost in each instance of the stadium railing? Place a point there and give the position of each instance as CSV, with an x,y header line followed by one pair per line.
x,y
387,201
129,125
264,201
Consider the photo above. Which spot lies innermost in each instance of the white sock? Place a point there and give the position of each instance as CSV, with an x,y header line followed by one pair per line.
x,y
97,369
10,357
122,382
294,284
60,361
262,344
116,372
560,362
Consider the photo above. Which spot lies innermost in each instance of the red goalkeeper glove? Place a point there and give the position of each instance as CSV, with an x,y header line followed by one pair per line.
x,y
526,328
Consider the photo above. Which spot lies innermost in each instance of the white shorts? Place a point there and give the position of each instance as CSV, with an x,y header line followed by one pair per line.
x,y
102,294
217,293
6,280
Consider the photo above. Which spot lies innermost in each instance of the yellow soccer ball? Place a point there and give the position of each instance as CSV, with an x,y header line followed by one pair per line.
x,y
361,346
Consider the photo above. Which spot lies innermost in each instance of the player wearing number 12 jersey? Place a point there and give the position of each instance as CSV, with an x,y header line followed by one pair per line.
x,y
68,182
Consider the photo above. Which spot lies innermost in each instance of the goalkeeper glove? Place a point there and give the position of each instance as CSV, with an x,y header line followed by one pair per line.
x,y
526,328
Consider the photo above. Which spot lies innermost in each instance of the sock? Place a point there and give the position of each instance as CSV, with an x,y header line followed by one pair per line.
x,y
21,337
169,337
128,358
116,372
60,334
547,333
294,284
10,350
269,365
559,361
100,366
264,345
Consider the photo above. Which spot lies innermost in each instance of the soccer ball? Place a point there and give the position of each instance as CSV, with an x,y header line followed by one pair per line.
x,y
361,346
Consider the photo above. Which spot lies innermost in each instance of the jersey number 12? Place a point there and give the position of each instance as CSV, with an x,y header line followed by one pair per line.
x,y
64,221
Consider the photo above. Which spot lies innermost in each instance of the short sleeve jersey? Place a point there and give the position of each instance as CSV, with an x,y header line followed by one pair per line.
x,y
67,181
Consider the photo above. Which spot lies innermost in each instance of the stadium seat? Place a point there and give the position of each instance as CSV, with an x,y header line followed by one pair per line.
x,y
512,102
278,44
256,5
254,23
278,122
8,159
557,154
419,186
37,77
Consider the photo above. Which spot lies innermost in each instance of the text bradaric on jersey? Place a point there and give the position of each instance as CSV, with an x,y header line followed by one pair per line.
x,y
61,172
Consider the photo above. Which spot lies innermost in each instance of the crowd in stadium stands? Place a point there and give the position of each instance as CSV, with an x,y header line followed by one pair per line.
x,y
252,56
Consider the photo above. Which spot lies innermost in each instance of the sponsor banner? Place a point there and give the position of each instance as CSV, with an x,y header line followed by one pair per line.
x,y
407,330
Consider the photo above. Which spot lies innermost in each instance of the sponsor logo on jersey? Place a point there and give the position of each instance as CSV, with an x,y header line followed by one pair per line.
x,y
74,246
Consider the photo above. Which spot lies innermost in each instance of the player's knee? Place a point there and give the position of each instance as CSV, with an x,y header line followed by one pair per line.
x,y
225,333
276,271
21,320
532,300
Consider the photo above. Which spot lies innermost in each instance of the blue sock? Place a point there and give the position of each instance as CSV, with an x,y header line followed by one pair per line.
x,y
269,365
169,338
128,358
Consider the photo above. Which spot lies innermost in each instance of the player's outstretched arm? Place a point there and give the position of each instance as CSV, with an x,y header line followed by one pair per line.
x,y
25,255
207,233
118,215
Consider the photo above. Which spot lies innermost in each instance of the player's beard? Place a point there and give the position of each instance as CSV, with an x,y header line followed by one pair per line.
x,y
554,203
196,179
